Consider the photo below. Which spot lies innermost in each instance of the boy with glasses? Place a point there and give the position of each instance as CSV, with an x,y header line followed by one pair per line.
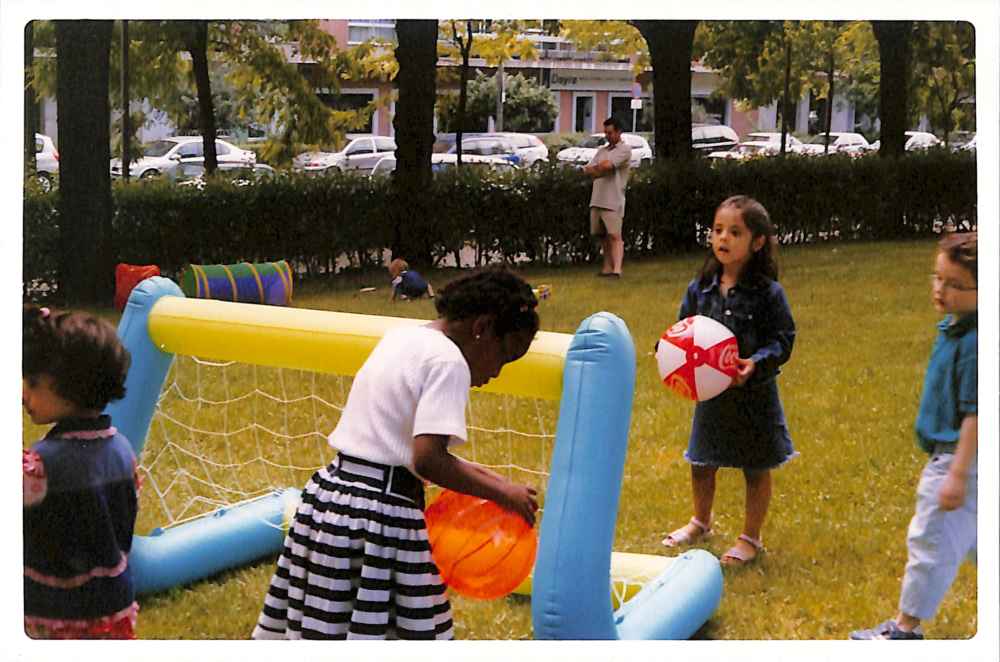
x,y
942,532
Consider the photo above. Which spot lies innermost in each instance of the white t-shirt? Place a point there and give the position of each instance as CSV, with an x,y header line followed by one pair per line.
x,y
416,381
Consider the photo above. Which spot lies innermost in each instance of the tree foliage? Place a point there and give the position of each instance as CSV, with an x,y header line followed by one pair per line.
x,y
610,40
944,74
858,68
529,107
269,70
750,56
494,41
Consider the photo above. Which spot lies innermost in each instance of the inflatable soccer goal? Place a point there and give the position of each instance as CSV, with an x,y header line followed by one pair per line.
x,y
228,407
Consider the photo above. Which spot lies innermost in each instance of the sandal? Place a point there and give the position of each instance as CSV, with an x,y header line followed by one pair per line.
x,y
683,537
737,557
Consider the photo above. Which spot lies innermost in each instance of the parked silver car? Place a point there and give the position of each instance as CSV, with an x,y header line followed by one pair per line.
x,y
46,162
360,154
489,145
792,144
579,156
840,142
439,162
239,174
166,156
529,148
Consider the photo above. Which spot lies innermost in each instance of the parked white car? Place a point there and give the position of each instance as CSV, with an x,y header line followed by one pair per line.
x,y
360,154
708,138
840,142
46,162
529,147
489,145
239,174
773,138
497,163
747,149
969,146
579,156
166,156
916,140
921,140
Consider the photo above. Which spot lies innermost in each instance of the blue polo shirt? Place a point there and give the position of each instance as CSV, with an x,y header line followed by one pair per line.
x,y
951,382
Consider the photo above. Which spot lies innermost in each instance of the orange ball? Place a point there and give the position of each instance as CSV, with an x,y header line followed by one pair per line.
x,y
481,550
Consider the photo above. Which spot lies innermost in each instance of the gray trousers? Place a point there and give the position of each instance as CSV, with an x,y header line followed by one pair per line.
x,y
937,541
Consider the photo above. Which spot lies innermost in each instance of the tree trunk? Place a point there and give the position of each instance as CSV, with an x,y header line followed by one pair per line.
x,y
785,101
670,44
30,102
499,119
894,48
413,124
86,257
126,98
829,103
198,48
463,92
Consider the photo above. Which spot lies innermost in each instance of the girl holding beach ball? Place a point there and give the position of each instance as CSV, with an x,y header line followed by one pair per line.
x,y
744,426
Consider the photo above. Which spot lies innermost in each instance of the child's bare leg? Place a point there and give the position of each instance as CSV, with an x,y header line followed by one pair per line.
x,y
703,491
758,500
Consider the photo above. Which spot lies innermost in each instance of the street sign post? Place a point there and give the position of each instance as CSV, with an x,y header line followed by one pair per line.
x,y
636,106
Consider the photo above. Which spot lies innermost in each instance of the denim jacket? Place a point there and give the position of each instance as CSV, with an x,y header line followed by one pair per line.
x,y
758,315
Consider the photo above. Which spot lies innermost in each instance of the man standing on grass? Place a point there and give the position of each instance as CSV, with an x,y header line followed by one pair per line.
x,y
609,170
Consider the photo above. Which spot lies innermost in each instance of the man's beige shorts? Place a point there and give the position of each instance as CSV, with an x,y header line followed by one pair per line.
x,y
605,221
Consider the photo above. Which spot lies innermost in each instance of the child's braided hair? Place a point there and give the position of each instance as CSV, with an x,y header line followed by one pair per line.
x,y
494,291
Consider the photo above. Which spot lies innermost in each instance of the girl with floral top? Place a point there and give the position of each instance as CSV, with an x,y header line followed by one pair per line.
x,y
80,482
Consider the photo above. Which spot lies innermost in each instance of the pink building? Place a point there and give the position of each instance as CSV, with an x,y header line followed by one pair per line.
x,y
586,90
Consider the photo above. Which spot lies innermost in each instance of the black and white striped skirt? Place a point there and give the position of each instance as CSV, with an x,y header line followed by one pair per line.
x,y
356,562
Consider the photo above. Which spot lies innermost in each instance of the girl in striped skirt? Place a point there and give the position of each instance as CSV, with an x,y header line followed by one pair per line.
x,y
356,563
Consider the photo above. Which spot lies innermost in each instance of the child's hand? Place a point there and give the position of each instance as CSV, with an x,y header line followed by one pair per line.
x,y
744,369
952,493
520,499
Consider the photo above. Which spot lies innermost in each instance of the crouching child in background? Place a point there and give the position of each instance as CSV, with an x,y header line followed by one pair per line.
x,y
407,283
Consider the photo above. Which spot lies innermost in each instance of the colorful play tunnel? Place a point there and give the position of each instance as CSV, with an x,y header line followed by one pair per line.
x,y
263,282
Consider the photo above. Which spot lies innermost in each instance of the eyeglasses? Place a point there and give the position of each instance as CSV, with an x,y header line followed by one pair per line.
x,y
937,281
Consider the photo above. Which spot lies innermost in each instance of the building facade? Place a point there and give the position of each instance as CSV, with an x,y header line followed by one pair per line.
x,y
585,88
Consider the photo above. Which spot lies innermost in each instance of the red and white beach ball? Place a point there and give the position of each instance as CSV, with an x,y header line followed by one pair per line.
x,y
696,358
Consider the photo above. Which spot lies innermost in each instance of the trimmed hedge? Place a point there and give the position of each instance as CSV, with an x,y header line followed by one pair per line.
x,y
538,215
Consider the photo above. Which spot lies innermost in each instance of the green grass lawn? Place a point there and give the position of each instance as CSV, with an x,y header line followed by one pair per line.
x,y
835,534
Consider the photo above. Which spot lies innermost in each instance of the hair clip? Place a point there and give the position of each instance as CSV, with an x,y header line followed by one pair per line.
x,y
44,312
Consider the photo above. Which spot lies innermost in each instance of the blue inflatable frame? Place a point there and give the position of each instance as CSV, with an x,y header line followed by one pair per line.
x,y
570,591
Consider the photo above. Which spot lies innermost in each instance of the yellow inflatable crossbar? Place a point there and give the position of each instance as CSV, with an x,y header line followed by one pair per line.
x,y
323,341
